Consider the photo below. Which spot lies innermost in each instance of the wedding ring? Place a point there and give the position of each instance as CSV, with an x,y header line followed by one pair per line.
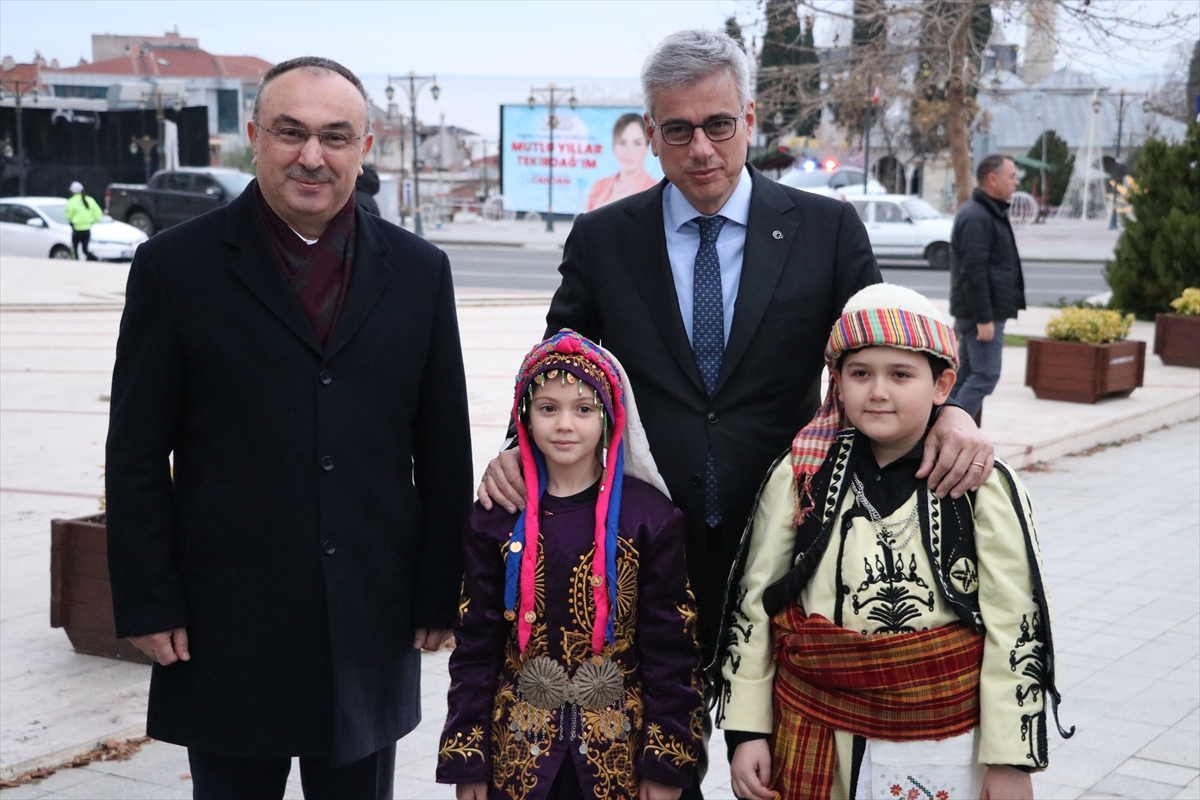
x,y
977,464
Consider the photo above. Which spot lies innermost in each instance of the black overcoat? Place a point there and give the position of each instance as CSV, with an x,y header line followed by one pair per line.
x,y
318,496
805,256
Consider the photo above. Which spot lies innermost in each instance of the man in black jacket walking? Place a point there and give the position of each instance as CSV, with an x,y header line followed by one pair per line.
x,y
986,283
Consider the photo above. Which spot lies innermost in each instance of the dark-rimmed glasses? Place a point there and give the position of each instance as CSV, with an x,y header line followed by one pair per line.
x,y
296,138
681,133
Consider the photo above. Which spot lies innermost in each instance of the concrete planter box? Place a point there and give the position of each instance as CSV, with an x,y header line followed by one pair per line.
x,y
1177,340
80,596
1083,373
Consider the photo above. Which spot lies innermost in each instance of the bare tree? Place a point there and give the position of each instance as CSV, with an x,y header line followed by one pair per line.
x,y
929,53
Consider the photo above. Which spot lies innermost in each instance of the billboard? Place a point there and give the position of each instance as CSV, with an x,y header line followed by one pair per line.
x,y
600,154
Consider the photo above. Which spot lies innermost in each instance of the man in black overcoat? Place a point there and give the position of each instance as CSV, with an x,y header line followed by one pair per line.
x,y
288,463
717,290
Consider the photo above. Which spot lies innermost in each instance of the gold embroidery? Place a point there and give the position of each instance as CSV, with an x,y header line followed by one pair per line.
x,y
667,747
514,766
456,745
463,601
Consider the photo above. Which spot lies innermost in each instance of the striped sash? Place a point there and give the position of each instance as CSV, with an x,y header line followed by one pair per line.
x,y
903,687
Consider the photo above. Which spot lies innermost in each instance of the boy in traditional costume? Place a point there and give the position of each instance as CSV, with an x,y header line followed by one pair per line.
x,y
576,672
883,643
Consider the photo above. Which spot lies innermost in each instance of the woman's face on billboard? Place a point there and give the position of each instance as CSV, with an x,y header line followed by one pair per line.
x,y
631,147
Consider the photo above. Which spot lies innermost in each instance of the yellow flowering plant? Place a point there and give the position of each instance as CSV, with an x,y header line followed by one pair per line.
x,y
1188,303
1090,325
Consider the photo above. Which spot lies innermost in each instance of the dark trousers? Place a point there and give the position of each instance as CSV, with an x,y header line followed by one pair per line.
x,y
979,366
217,777
79,244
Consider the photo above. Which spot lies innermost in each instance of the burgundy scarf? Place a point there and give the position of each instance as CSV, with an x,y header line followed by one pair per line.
x,y
319,273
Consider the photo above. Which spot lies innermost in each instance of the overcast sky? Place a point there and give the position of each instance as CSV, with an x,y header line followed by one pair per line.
x,y
550,40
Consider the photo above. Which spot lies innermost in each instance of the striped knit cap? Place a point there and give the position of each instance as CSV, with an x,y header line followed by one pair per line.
x,y
882,314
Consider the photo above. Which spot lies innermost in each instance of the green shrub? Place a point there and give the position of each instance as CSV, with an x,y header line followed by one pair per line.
x,y
1158,254
1091,325
1062,163
1188,303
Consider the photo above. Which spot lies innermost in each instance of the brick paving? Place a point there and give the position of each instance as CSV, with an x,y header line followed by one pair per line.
x,y
1119,529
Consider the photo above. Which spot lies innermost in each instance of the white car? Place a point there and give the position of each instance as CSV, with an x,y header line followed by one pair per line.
x,y
838,183
38,227
902,226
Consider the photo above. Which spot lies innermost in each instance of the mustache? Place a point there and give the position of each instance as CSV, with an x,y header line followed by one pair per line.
x,y
299,172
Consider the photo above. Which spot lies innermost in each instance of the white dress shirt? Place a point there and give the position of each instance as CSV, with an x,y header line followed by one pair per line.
x,y
683,242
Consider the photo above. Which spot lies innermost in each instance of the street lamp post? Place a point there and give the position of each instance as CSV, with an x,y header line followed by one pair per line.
x,y
1112,222
874,101
550,95
415,84
20,89
146,143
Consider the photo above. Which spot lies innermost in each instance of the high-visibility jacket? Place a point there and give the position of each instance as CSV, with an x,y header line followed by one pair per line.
x,y
83,212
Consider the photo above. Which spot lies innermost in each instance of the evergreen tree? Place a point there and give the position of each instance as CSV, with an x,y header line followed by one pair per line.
x,y
777,74
1158,254
1193,83
1061,162
810,88
734,31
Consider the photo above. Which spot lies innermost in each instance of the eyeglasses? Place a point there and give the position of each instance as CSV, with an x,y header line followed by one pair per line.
x,y
295,138
681,133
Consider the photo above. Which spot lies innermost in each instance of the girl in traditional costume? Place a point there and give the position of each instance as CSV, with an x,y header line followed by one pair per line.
x,y
882,642
576,672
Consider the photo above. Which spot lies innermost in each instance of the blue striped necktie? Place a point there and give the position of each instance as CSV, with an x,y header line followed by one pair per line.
x,y
708,338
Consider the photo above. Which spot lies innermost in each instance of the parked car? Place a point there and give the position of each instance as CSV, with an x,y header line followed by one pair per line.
x,y
174,196
38,227
840,183
902,226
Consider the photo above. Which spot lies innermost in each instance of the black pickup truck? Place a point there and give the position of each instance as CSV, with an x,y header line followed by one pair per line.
x,y
173,196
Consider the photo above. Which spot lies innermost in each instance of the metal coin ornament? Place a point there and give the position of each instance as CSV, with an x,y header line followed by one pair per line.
x,y
598,685
543,682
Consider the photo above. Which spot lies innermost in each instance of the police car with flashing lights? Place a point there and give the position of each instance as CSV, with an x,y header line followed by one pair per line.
x,y
829,180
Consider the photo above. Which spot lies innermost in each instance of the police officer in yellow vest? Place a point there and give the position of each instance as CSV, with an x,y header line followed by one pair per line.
x,y
82,212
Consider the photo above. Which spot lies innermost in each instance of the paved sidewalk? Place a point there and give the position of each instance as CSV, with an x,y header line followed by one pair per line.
x,y
58,324
1127,612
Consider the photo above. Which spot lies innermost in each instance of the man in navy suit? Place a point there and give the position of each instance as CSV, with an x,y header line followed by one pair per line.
x,y
288,464
717,290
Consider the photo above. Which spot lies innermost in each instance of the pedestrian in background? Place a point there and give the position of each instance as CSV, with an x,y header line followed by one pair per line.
x,y
82,212
987,286
365,189
289,463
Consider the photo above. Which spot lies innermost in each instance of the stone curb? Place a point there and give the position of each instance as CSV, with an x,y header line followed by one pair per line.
x,y
1171,412
60,757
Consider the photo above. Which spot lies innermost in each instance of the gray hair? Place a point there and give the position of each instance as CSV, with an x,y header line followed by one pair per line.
x,y
688,57
315,65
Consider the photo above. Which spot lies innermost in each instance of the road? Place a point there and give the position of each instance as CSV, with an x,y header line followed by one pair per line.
x,y
516,269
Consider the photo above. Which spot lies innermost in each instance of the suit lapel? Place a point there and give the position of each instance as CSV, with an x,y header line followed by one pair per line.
x,y
370,277
644,245
256,266
762,263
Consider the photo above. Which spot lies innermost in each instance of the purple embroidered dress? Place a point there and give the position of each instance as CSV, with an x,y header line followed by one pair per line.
x,y
560,709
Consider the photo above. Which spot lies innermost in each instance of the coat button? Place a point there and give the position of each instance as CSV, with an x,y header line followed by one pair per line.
x,y
712,417
326,377
327,463
328,547
848,524
695,480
